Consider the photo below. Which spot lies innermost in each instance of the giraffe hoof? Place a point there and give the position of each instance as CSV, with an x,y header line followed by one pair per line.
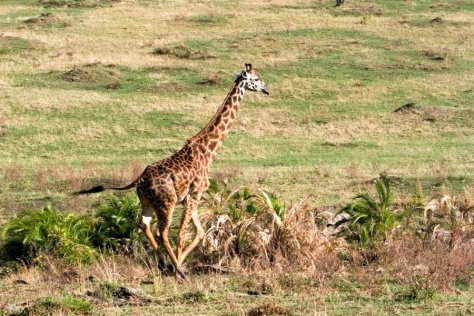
x,y
170,268
162,264
181,276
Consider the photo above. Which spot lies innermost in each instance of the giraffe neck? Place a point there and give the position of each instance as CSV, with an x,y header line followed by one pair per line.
x,y
211,137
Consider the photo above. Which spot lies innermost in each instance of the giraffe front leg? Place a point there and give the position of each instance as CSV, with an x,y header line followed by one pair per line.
x,y
185,219
164,237
199,235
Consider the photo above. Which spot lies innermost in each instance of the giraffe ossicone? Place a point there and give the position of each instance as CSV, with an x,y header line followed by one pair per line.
x,y
183,177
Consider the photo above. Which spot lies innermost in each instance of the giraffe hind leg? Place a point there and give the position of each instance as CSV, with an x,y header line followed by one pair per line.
x,y
153,239
145,224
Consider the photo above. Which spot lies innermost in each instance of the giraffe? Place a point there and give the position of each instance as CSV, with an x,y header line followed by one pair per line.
x,y
183,177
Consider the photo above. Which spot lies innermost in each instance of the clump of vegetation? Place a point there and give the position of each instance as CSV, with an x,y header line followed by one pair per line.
x,y
420,268
255,230
74,238
450,220
46,231
371,219
193,297
116,227
113,292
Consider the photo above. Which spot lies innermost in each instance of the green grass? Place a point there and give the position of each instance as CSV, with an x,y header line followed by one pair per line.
x,y
207,19
13,45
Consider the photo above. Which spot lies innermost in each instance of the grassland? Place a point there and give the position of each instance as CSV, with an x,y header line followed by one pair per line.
x,y
94,90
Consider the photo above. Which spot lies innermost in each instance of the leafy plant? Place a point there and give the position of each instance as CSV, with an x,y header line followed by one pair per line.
x,y
274,205
117,224
46,231
371,218
235,202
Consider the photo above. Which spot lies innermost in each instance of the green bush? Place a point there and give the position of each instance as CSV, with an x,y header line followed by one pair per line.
x,y
237,203
371,218
116,227
46,231
74,238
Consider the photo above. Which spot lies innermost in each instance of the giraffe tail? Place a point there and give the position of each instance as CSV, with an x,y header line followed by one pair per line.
x,y
101,188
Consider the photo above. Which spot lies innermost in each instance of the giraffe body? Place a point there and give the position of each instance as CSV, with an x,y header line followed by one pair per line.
x,y
183,177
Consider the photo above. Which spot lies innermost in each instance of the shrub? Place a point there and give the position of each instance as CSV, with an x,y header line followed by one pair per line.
x,y
74,238
117,228
449,219
46,231
371,219
237,203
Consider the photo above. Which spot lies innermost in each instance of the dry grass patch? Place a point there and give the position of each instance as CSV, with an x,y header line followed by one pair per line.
x,y
268,309
277,237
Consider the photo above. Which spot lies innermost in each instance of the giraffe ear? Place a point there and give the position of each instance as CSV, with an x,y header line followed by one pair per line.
x,y
248,67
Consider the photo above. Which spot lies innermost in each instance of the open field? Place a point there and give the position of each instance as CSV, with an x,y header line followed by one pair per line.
x,y
92,91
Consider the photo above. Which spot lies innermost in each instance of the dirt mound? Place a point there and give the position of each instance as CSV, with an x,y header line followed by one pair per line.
x,y
269,309
213,79
47,18
167,86
407,108
95,73
182,52
76,3
437,20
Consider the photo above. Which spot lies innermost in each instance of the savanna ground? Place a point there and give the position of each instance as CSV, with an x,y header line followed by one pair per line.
x,y
92,91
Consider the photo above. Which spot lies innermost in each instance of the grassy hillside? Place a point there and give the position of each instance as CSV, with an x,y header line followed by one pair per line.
x,y
84,97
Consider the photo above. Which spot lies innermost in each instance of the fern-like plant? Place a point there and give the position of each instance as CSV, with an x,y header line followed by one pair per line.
x,y
237,203
117,224
371,218
274,205
34,232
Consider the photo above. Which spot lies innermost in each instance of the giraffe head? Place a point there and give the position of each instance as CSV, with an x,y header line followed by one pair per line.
x,y
252,80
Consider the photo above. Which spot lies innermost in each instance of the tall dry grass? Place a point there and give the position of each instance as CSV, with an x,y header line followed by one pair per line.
x,y
267,241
